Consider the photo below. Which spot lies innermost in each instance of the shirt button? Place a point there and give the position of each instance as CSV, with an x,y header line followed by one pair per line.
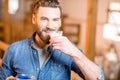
x,y
59,65
37,69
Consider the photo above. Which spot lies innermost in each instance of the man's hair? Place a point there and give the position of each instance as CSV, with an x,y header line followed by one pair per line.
x,y
45,3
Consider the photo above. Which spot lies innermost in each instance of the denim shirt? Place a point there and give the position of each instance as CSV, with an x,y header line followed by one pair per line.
x,y
22,58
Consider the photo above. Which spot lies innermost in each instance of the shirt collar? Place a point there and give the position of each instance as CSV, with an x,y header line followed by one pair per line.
x,y
32,41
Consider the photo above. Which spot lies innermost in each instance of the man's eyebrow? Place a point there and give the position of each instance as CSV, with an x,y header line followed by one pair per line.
x,y
43,17
56,18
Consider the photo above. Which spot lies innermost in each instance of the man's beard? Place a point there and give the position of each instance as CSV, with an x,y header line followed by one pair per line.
x,y
45,38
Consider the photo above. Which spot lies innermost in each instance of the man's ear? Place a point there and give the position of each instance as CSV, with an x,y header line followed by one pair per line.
x,y
33,19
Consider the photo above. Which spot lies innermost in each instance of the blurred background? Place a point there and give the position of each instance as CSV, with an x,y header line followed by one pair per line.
x,y
93,25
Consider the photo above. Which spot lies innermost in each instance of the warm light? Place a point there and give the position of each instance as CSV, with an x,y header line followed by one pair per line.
x,y
114,6
13,6
114,13
110,31
114,17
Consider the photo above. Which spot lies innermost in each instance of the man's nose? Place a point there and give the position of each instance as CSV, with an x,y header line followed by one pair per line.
x,y
50,25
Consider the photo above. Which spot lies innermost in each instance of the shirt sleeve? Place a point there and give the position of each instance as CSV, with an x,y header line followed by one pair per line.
x,y
102,75
75,68
6,68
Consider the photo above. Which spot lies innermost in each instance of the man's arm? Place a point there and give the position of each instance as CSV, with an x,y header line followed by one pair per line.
x,y
89,69
5,69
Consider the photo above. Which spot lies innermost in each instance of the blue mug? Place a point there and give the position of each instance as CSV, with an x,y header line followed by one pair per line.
x,y
25,77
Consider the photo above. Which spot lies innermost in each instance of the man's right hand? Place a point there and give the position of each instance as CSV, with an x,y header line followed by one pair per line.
x,y
10,78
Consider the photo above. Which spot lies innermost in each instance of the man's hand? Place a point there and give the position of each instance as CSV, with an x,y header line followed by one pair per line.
x,y
63,43
10,78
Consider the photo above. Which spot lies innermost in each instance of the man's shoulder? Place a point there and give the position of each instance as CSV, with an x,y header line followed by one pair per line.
x,y
19,44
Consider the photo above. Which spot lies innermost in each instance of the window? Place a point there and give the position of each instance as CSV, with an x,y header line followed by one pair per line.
x,y
13,6
112,28
114,13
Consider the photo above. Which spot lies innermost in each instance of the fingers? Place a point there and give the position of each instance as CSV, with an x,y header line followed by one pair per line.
x,y
10,78
57,46
59,43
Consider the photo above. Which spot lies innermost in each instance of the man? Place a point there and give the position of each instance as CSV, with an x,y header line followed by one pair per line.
x,y
44,56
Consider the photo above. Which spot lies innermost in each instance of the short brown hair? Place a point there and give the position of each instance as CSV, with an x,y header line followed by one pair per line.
x,y
45,3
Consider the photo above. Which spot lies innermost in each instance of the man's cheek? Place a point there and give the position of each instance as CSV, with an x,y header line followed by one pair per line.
x,y
43,24
57,25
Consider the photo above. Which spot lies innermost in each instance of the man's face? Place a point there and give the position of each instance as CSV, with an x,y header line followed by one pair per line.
x,y
46,21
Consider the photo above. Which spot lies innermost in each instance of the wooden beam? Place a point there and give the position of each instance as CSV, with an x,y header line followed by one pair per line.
x,y
3,46
91,29
6,22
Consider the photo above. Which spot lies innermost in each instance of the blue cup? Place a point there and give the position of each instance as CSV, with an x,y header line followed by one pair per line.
x,y
25,77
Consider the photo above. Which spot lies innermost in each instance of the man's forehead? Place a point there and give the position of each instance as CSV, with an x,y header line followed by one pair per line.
x,y
49,11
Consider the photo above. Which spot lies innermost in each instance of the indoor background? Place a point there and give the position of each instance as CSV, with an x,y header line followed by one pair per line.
x,y
93,25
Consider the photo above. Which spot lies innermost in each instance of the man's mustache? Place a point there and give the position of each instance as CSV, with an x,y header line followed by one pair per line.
x,y
49,30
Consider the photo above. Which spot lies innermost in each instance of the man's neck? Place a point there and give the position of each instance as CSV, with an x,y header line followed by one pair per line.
x,y
39,43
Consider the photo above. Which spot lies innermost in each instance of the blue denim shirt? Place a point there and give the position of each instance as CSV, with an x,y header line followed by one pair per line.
x,y
22,58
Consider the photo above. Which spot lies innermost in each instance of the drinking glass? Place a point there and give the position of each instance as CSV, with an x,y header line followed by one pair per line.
x,y
56,33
